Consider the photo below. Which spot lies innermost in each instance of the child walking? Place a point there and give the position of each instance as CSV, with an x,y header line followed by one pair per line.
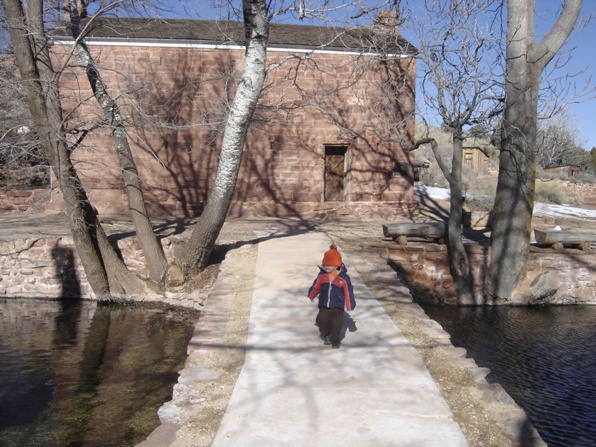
x,y
334,289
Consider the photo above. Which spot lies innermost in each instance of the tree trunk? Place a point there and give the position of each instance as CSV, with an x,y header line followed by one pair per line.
x,y
458,257
33,59
459,265
152,249
514,201
124,285
194,256
32,56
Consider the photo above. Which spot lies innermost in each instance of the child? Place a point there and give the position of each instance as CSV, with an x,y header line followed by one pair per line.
x,y
334,288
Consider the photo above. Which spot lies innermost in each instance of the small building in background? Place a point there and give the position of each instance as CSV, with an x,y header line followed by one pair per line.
x,y
568,171
475,159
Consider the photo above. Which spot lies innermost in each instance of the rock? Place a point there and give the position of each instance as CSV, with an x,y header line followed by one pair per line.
x,y
544,287
175,276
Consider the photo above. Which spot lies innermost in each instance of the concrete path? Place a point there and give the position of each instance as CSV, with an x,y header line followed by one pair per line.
x,y
295,391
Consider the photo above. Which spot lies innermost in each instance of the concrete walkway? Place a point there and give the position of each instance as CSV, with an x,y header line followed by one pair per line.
x,y
295,391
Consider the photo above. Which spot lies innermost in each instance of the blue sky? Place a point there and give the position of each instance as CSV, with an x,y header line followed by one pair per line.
x,y
582,59
581,65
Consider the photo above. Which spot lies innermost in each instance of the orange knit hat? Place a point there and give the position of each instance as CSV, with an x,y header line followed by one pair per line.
x,y
332,257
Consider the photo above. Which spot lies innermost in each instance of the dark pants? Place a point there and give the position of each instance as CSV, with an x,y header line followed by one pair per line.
x,y
329,321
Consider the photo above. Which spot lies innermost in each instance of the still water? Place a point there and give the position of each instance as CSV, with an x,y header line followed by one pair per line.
x,y
79,374
544,357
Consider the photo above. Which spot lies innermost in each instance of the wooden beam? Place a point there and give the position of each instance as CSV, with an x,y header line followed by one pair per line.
x,y
400,232
558,238
428,229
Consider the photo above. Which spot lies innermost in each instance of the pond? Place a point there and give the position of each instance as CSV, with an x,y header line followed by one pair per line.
x,y
74,373
544,357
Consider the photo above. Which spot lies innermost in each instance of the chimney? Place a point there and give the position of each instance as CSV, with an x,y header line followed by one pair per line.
x,y
81,8
387,21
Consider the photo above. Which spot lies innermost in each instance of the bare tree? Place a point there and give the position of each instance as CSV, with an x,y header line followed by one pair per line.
x,y
459,85
514,202
26,27
106,272
557,143
195,254
456,51
152,249
257,17
458,42
22,162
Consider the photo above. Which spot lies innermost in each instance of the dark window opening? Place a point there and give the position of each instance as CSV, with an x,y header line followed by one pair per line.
x,y
401,169
335,173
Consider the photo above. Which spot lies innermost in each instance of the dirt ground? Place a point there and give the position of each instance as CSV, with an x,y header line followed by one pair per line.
x,y
487,415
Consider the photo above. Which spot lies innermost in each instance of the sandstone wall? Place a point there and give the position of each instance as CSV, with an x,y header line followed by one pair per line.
x,y
565,276
174,101
28,200
48,267
114,203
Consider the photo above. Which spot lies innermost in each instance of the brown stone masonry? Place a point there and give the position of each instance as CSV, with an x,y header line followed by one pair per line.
x,y
553,277
48,267
314,106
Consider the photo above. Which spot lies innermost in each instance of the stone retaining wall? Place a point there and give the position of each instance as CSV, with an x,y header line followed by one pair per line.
x,y
554,276
49,267
46,267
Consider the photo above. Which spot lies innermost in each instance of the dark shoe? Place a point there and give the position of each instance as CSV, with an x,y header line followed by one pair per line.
x,y
335,345
326,340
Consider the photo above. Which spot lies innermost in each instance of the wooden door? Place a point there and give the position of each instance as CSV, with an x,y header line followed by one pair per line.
x,y
335,173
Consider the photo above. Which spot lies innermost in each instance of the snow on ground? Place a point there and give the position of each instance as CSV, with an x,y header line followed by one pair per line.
x,y
540,209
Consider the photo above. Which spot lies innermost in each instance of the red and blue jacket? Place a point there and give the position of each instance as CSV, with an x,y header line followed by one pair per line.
x,y
336,292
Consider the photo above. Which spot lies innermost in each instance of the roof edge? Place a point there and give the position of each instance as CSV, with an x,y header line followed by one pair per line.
x,y
189,43
229,34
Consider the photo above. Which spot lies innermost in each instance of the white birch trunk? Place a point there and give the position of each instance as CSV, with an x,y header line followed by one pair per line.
x,y
195,254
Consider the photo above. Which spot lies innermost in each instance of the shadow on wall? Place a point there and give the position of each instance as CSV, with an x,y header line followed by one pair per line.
x,y
66,333
66,272
178,130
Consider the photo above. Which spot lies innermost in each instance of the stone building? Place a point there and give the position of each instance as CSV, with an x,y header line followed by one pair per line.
x,y
326,138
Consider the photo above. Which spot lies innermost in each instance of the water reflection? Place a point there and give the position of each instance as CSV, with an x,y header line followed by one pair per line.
x,y
76,374
544,357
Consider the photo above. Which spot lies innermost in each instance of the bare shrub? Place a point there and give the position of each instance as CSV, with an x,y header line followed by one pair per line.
x,y
22,162
555,192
